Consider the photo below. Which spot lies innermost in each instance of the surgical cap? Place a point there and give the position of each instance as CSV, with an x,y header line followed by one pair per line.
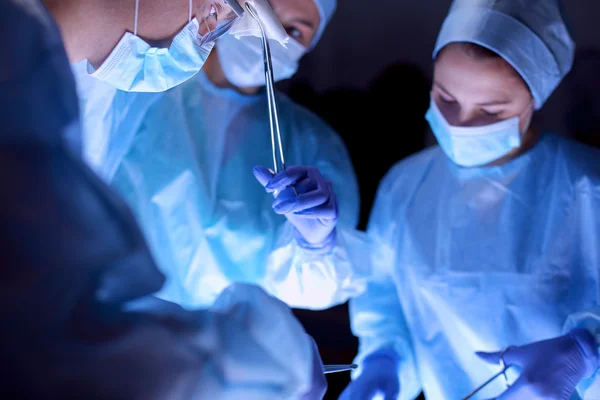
x,y
326,10
531,35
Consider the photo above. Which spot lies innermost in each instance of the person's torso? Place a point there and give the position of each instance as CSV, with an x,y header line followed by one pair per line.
x,y
188,176
484,261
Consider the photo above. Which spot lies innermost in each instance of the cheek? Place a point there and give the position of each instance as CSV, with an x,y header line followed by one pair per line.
x,y
525,122
307,37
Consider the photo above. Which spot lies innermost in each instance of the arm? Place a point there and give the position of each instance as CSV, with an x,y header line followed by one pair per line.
x,y
559,366
376,316
322,277
587,241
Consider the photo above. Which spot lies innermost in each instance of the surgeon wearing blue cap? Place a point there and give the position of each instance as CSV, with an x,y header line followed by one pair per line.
x,y
487,247
187,167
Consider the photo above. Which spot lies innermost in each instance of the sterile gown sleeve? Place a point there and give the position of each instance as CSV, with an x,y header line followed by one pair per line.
x,y
73,262
587,194
316,279
376,316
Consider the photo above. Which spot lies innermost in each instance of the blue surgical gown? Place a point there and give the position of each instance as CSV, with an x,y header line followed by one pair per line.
x,y
478,259
78,317
183,160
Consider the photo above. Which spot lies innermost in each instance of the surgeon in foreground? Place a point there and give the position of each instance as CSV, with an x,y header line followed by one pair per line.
x,y
186,166
78,318
487,247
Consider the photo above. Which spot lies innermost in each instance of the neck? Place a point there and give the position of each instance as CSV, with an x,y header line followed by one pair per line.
x,y
90,29
61,11
214,72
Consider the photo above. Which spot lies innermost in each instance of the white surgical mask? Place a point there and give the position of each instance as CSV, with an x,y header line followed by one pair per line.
x,y
135,66
243,63
472,146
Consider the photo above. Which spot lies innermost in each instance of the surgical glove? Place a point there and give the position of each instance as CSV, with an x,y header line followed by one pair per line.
x,y
378,379
319,384
550,369
307,200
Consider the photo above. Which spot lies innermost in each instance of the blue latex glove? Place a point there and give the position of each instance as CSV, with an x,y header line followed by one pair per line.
x,y
319,386
378,379
550,369
307,200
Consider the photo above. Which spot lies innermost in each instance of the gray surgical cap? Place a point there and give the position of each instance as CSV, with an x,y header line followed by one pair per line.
x,y
531,35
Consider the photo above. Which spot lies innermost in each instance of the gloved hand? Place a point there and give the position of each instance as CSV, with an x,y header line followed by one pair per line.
x,y
379,377
550,369
319,387
307,200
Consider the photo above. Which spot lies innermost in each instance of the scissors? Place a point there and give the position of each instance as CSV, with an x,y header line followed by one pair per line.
x,y
477,389
272,101
333,368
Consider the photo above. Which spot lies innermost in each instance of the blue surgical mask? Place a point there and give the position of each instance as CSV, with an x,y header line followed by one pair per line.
x,y
473,146
135,66
243,63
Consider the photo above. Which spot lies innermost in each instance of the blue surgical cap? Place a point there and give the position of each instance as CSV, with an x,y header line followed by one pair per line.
x,y
531,35
326,10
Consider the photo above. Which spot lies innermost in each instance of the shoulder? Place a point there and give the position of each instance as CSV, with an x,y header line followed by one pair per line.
x,y
408,172
579,162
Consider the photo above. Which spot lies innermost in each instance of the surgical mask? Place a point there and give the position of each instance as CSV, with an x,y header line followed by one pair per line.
x,y
473,146
135,66
242,60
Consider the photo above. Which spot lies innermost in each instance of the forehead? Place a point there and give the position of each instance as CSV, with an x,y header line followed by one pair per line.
x,y
290,9
476,78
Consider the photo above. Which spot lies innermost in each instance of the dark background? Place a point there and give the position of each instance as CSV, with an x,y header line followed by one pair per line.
x,y
369,78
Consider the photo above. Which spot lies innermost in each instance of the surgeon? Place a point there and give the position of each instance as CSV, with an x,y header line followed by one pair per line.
x,y
187,172
486,247
128,50
78,317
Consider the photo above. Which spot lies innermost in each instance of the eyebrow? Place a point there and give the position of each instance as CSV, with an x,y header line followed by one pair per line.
x,y
443,89
484,104
494,103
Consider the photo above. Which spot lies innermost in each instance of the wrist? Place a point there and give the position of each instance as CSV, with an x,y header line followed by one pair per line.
x,y
587,348
383,355
323,247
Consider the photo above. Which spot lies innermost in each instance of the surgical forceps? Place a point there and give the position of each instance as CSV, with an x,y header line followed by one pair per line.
x,y
272,101
477,389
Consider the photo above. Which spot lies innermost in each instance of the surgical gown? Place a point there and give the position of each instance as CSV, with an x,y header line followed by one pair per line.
x,y
185,168
478,259
78,319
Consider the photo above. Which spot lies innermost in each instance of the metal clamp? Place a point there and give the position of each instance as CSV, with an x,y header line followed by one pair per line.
x,y
502,372
235,6
276,142
504,366
333,368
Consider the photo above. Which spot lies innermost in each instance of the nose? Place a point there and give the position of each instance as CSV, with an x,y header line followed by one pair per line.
x,y
467,117
464,117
